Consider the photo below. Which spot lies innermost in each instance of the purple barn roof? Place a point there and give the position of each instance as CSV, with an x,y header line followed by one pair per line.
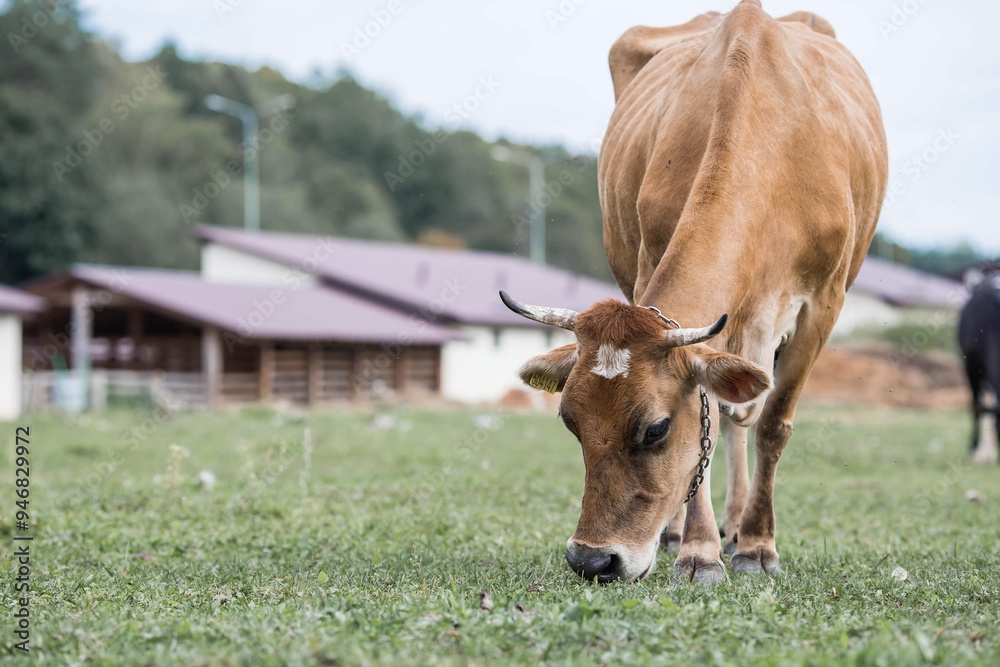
x,y
460,285
903,286
15,301
306,313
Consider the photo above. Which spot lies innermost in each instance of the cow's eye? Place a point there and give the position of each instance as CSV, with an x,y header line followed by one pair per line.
x,y
656,431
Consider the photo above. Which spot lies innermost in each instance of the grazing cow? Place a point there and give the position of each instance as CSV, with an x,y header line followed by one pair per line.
x,y
979,337
742,173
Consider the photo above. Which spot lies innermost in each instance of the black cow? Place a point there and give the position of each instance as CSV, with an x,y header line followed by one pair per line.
x,y
979,337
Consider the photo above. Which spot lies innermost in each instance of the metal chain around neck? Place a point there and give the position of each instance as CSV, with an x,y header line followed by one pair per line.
x,y
706,446
674,323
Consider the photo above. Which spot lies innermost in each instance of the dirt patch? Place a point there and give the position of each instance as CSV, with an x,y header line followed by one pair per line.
x,y
880,376
526,400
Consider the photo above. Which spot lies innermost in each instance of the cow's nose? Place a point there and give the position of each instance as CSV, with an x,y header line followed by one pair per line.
x,y
591,562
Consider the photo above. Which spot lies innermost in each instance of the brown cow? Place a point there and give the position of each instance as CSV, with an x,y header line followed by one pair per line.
x,y
742,173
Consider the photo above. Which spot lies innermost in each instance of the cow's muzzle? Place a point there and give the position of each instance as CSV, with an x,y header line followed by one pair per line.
x,y
594,563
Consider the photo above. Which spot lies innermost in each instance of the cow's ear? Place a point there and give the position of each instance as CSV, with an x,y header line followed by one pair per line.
x,y
549,371
730,377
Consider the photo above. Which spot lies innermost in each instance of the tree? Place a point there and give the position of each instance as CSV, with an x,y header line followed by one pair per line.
x,y
142,160
50,189
950,262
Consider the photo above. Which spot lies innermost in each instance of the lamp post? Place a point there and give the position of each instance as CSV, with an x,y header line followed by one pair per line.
x,y
251,166
536,203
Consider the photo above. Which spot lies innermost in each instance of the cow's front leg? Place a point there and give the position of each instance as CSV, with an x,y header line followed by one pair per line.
x,y
699,558
737,481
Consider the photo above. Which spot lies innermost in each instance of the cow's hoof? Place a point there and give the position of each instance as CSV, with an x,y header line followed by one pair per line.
x,y
755,564
983,456
707,573
670,541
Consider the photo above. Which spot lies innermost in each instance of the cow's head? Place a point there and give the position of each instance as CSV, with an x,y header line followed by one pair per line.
x,y
630,395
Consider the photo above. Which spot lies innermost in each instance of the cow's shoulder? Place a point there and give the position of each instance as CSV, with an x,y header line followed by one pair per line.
x,y
638,45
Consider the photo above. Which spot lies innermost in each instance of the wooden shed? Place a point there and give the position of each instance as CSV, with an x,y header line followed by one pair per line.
x,y
198,342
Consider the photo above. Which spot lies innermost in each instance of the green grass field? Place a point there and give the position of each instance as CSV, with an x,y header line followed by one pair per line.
x,y
327,540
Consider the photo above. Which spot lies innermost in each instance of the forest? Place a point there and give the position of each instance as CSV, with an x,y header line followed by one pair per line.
x,y
108,161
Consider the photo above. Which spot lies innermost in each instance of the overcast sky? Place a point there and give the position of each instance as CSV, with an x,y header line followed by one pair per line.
x,y
935,67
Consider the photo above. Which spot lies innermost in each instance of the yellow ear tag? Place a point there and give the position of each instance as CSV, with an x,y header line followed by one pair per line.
x,y
544,383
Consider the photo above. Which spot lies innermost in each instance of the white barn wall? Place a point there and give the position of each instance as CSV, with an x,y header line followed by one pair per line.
x,y
10,366
221,264
480,371
863,311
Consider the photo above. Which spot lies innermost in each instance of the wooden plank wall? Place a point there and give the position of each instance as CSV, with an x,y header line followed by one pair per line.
x,y
338,362
320,373
290,374
424,368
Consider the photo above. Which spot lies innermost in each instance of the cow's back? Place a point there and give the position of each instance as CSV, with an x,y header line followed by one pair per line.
x,y
734,135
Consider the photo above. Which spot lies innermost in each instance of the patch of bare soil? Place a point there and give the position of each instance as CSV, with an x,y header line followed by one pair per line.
x,y
881,376
527,400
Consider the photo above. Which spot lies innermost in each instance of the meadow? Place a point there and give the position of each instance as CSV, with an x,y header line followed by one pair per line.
x,y
354,537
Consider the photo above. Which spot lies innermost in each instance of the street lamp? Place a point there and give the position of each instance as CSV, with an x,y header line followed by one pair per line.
x,y
536,203
251,166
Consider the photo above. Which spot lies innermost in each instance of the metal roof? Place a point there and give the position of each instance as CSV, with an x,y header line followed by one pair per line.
x,y
260,312
15,301
903,286
457,285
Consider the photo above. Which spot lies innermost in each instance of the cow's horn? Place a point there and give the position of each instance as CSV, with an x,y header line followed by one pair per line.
x,y
679,337
558,317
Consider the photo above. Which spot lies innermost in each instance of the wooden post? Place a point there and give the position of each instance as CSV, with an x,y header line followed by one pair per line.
x,y
265,376
211,364
437,369
359,384
314,374
134,333
402,380
135,324
82,324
